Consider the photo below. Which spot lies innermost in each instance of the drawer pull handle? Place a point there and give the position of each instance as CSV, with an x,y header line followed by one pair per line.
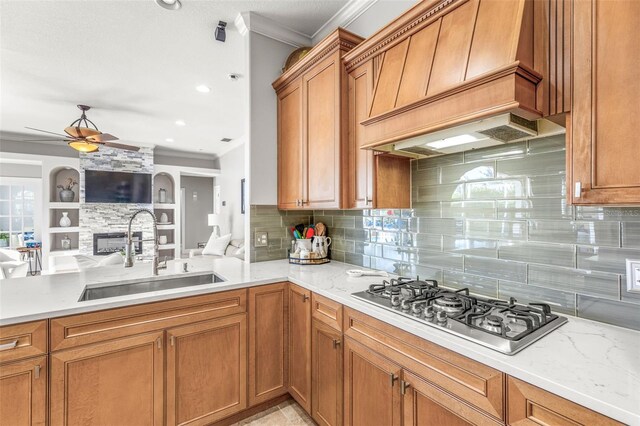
x,y
336,343
305,298
36,371
10,345
578,190
171,341
393,378
159,342
404,387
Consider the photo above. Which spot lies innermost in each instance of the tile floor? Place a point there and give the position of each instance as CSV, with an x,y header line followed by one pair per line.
x,y
287,413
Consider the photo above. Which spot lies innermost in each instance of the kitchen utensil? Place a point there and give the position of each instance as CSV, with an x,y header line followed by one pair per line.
x,y
321,229
310,233
354,273
300,229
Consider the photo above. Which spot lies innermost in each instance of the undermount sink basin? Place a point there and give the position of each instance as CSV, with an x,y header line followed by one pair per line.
x,y
157,284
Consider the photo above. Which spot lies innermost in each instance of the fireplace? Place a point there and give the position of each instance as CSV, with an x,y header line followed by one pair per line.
x,y
114,242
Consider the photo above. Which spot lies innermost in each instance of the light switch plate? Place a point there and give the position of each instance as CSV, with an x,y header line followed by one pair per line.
x,y
262,239
633,275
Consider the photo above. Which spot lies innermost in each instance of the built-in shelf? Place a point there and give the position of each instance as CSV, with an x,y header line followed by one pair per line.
x,y
166,246
71,252
64,230
61,205
164,206
168,226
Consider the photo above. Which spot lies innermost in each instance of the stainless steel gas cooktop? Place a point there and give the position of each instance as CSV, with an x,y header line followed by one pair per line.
x,y
505,326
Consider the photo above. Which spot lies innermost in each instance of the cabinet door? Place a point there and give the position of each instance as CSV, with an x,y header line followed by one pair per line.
x,y
360,169
425,404
371,387
326,375
290,149
23,392
603,148
267,342
300,345
322,133
118,382
206,370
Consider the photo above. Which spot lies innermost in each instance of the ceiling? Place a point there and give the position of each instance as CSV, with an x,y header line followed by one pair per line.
x,y
136,64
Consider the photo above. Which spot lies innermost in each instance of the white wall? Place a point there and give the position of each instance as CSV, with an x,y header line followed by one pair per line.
x,y
232,171
378,15
266,58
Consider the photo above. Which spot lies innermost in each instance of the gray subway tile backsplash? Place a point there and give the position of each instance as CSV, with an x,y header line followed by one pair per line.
x,y
494,220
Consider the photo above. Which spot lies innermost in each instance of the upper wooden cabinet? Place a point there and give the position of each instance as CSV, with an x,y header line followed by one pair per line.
x,y
445,63
602,148
312,126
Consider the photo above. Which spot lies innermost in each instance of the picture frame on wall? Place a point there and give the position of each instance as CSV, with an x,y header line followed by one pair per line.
x,y
242,194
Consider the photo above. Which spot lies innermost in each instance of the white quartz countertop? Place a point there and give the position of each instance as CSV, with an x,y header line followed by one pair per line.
x,y
593,364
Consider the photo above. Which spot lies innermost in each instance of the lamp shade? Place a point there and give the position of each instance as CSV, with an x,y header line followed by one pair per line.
x,y
213,219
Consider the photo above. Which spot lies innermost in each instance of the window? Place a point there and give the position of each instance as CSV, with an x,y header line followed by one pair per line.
x,y
19,211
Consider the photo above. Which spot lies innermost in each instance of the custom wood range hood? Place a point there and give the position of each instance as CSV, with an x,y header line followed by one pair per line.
x,y
451,75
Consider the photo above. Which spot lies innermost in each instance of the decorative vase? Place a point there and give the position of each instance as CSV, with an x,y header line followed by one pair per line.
x,y
67,195
164,218
162,195
65,222
65,243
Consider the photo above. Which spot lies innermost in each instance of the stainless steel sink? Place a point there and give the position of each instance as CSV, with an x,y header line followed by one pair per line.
x,y
135,287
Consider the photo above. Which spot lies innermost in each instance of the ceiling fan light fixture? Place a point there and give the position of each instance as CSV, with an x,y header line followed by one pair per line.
x,y
169,4
82,146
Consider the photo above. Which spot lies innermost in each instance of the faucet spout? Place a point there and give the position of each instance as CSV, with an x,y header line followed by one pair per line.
x,y
130,249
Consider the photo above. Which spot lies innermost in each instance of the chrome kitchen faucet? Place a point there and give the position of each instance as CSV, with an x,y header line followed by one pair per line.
x,y
130,249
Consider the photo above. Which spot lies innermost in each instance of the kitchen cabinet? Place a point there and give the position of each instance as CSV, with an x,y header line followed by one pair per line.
x,y
326,391
299,345
268,341
529,404
23,392
602,147
206,370
371,388
374,180
116,382
312,126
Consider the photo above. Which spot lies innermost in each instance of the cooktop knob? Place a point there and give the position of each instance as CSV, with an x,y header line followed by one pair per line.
x,y
441,318
395,300
417,308
429,313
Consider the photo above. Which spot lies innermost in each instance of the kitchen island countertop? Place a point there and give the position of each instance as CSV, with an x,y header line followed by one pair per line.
x,y
593,364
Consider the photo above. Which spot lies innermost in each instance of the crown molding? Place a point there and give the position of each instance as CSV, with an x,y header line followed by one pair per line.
x,y
254,22
343,18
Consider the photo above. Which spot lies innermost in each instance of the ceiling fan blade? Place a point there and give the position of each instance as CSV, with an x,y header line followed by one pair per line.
x,y
42,140
45,131
80,132
121,146
102,137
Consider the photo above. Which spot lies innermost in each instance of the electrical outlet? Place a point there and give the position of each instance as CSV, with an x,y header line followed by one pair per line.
x,y
633,275
262,239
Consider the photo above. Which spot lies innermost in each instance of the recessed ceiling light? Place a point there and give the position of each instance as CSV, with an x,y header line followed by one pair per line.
x,y
203,89
180,123
169,140
169,4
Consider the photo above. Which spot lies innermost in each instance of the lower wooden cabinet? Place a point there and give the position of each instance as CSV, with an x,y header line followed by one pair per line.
x,y
299,346
326,376
371,387
206,370
267,342
530,405
23,392
118,382
427,405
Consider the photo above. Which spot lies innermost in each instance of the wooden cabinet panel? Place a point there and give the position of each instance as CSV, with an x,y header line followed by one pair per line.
x,y
392,182
322,134
300,345
291,168
93,327
327,311
530,405
386,90
371,387
470,381
603,149
23,340
326,375
23,392
452,53
114,383
267,342
206,370
425,404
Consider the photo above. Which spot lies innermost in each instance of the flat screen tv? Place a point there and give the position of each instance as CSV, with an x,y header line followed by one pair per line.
x,y
117,187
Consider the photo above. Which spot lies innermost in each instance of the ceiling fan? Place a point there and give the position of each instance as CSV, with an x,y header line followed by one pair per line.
x,y
84,136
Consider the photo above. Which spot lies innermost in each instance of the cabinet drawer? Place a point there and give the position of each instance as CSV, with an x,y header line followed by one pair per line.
x,y
468,380
529,404
99,326
326,311
19,341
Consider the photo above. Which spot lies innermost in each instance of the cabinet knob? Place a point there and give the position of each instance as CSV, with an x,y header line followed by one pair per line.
x,y
336,343
305,298
577,190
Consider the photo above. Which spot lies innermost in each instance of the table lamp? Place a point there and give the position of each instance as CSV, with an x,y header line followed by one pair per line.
x,y
214,220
